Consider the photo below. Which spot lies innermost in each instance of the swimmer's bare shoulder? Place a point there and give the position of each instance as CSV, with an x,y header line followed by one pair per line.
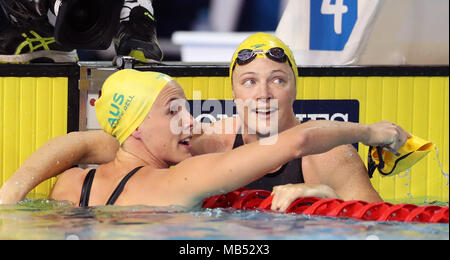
x,y
215,137
69,184
349,178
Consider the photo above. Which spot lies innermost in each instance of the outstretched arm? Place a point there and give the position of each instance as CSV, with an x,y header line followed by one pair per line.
x,y
212,174
56,156
338,173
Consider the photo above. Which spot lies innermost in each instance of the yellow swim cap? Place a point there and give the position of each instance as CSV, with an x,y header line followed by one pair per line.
x,y
126,99
411,152
264,41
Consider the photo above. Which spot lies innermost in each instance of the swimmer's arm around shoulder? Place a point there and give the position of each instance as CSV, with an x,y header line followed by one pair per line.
x,y
214,137
212,174
206,175
56,156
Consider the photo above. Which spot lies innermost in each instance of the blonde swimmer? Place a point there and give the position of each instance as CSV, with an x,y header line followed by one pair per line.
x,y
140,173
265,77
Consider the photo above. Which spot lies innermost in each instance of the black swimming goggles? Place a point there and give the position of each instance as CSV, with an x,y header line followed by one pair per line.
x,y
246,56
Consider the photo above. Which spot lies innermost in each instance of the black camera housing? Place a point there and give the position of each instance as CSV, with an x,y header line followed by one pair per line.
x,y
87,24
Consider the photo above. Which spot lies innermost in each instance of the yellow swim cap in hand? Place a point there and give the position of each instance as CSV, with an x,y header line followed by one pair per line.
x,y
410,153
126,99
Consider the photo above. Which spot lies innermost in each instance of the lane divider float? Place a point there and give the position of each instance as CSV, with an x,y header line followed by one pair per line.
x,y
378,211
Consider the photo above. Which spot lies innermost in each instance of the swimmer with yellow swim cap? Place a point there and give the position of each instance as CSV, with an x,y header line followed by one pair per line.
x,y
140,110
262,69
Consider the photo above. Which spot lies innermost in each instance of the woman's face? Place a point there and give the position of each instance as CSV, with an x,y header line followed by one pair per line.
x,y
264,92
167,129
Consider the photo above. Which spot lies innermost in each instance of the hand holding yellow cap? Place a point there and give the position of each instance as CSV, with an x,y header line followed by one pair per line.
x,y
389,164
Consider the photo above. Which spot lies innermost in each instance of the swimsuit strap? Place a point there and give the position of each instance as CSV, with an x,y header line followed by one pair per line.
x,y
115,195
238,141
86,190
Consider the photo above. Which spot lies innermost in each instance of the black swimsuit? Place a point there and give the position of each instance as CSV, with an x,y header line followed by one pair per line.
x,y
291,172
87,185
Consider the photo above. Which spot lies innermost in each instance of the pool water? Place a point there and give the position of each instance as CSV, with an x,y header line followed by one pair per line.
x,y
43,219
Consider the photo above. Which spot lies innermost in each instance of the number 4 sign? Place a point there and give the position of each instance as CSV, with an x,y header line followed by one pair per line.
x,y
331,24
337,10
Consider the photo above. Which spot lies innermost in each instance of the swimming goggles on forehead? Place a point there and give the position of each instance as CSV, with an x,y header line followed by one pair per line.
x,y
246,56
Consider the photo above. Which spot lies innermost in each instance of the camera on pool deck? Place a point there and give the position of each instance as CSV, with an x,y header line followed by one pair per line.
x,y
87,24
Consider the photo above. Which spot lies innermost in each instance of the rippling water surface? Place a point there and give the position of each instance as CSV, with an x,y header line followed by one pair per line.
x,y
42,219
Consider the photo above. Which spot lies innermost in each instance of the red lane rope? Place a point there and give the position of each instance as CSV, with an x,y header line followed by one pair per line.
x,y
377,211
